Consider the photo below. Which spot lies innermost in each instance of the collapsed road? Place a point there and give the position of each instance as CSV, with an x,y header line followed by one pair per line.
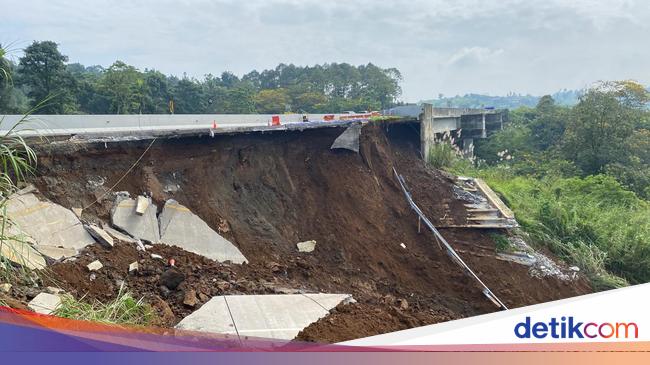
x,y
307,219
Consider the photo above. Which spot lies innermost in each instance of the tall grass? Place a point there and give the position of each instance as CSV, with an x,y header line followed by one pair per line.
x,y
122,310
443,153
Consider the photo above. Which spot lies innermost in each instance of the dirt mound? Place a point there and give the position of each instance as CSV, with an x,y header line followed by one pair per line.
x,y
266,192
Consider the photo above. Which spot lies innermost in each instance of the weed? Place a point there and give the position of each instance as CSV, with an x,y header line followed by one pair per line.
x,y
122,310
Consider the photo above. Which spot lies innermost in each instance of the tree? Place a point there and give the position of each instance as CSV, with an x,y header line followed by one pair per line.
x,y
549,123
272,101
43,71
124,87
597,132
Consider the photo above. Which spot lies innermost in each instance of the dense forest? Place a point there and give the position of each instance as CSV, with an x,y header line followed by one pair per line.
x,y
43,73
578,178
510,101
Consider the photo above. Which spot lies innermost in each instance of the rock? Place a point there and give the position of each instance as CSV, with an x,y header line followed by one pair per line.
x,y
144,227
223,285
180,227
45,303
403,304
156,256
94,266
141,205
307,246
100,235
190,298
5,288
171,278
47,223
164,291
31,292
54,290
204,298
133,266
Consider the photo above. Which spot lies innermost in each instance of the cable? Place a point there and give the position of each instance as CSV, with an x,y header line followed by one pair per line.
x,y
233,321
123,176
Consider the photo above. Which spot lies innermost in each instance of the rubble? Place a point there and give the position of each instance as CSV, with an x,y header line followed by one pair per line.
x,y
276,316
180,227
171,278
141,205
144,227
190,298
100,235
5,288
307,246
94,266
47,223
45,303
134,266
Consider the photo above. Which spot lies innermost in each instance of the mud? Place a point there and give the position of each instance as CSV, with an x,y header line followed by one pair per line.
x,y
267,192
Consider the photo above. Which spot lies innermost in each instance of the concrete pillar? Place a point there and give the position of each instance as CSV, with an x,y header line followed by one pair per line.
x,y
483,130
427,135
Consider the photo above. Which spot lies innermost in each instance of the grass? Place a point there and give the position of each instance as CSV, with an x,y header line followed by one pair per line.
x,y
122,310
501,242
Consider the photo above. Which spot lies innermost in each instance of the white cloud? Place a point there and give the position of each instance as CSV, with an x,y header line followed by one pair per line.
x,y
448,46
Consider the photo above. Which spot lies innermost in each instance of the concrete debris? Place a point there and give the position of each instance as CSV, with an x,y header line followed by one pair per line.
x,y
118,235
77,212
307,246
156,256
349,139
94,266
180,227
144,227
574,268
100,235
518,257
141,205
402,245
403,304
48,223
542,266
277,316
17,247
45,303
134,266
5,288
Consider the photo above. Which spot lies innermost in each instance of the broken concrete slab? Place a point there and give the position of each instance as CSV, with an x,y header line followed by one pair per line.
x,y
141,205
349,139
77,211
47,223
307,246
118,235
134,266
144,227
17,247
180,227
94,266
277,316
55,253
45,303
100,235
5,288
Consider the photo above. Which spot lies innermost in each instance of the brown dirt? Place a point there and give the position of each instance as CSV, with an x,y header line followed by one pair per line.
x,y
266,192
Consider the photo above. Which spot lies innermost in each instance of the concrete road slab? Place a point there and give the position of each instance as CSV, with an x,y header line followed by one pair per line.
x,y
144,227
18,248
180,227
47,223
277,316
349,139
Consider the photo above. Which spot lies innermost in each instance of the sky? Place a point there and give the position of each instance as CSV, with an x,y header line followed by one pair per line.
x,y
444,47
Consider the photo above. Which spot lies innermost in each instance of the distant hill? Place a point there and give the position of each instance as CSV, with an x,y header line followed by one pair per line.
x,y
510,101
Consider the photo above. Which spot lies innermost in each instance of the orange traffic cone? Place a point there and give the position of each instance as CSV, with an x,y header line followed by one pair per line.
x,y
214,124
